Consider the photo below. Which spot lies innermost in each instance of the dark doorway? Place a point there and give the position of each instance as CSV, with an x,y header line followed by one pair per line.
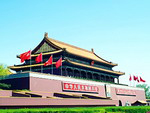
x,y
120,103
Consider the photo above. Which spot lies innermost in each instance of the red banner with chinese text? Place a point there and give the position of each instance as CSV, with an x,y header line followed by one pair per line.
x,y
125,91
80,87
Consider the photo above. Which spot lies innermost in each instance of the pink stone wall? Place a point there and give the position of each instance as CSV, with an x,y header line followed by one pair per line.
x,y
47,85
5,93
140,95
101,91
52,86
46,101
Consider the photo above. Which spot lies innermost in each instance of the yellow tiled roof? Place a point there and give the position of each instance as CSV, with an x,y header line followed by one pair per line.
x,y
47,53
141,101
78,51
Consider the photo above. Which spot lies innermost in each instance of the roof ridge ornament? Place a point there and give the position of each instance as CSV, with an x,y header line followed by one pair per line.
x,y
92,50
46,35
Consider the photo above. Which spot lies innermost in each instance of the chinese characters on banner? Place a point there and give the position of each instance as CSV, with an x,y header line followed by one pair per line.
x,y
125,92
80,87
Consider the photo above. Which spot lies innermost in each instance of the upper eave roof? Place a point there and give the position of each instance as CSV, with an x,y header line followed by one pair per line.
x,y
47,53
78,51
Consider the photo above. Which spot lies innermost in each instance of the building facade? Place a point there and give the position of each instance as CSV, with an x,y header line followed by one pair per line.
x,y
77,62
83,79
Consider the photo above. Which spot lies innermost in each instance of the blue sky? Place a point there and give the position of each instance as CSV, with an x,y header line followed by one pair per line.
x,y
118,30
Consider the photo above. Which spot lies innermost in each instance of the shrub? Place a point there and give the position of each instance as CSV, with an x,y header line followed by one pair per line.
x,y
4,86
129,109
54,110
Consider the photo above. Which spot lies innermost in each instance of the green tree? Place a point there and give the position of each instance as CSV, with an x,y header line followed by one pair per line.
x,y
146,88
4,70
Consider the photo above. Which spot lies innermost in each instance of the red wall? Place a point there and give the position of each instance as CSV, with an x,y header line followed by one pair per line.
x,y
5,93
47,85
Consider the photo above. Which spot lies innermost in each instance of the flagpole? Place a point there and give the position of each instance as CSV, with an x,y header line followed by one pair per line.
x,y
52,65
61,66
134,81
130,80
130,83
30,60
42,65
138,81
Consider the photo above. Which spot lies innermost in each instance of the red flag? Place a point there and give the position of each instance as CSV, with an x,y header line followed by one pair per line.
x,y
39,58
135,78
58,63
138,79
25,56
92,63
130,78
49,62
142,80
